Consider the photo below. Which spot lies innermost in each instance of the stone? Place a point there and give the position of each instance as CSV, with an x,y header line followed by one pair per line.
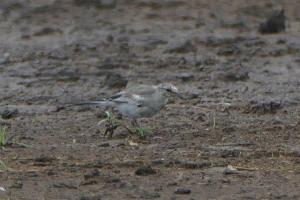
x,y
8,114
145,170
183,191
274,24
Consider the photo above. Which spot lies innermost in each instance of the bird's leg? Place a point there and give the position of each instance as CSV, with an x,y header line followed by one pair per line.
x,y
134,122
139,124
138,128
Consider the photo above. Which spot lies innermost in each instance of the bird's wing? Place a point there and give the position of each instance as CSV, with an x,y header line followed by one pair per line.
x,y
142,89
135,96
138,96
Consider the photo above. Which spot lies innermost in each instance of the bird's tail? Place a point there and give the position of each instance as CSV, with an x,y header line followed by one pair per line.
x,y
101,103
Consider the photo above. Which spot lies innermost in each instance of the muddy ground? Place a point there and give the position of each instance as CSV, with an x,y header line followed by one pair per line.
x,y
241,108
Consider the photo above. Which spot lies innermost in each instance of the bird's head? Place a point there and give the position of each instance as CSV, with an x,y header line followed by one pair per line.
x,y
169,88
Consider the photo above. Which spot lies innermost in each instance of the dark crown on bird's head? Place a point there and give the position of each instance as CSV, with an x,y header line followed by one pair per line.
x,y
168,87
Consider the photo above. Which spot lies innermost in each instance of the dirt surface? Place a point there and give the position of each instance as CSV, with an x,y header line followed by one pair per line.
x,y
236,136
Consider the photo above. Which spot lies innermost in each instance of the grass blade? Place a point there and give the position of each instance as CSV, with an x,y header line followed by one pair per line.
x,y
24,145
2,164
107,114
101,122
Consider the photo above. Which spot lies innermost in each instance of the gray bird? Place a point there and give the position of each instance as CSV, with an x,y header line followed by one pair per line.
x,y
142,101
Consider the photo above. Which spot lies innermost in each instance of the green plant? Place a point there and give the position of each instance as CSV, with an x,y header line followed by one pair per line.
x,y
141,132
109,119
2,164
111,125
5,140
3,137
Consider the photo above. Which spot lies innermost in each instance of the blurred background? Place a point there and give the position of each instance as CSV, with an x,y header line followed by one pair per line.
x,y
237,62
74,49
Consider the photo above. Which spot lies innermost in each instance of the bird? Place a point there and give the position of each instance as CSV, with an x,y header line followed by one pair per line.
x,y
140,101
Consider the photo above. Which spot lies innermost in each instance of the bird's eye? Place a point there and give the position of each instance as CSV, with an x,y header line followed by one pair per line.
x,y
169,90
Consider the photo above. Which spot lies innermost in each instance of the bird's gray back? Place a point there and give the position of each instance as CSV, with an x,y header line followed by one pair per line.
x,y
142,89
